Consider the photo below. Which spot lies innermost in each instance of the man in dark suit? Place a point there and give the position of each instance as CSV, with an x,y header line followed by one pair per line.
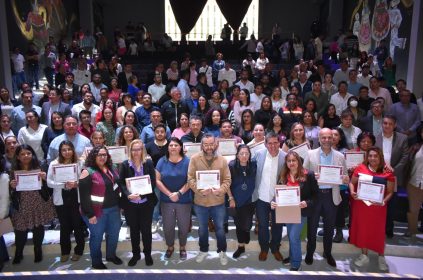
x,y
54,104
123,77
372,122
395,151
303,85
72,87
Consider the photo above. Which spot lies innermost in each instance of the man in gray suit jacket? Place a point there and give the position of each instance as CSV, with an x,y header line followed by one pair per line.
x,y
395,151
328,197
269,165
54,104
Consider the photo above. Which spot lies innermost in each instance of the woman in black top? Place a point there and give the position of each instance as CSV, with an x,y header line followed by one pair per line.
x,y
330,119
266,112
245,130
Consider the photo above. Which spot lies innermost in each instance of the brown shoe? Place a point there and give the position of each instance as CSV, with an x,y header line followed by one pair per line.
x,y
278,256
75,257
64,258
263,256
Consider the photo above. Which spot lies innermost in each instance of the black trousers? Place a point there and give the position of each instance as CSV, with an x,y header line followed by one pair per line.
x,y
139,218
342,209
70,220
390,213
323,207
243,221
22,236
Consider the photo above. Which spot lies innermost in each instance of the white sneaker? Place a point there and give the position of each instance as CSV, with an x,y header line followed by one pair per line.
x,y
223,258
154,227
382,263
361,260
201,256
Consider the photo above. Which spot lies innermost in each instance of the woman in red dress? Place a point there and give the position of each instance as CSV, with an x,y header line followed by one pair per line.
x,y
367,229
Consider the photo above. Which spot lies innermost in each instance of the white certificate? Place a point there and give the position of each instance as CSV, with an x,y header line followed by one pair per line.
x,y
330,174
208,179
256,147
354,159
370,191
287,196
139,185
227,147
63,173
118,153
191,149
28,180
302,149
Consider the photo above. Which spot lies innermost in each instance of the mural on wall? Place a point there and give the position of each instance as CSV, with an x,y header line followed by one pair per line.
x,y
39,19
384,20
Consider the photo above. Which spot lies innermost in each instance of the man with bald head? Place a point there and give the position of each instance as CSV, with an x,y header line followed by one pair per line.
x,y
328,197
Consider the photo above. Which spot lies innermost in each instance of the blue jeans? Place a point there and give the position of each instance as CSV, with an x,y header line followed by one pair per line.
x,y
217,213
294,236
262,211
108,223
18,80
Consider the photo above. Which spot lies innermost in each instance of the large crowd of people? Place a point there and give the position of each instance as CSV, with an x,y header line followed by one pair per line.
x,y
87,110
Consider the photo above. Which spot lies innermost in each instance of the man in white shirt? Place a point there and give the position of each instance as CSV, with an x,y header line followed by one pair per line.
x,y
18,65
157,89
257,97
183,85
244,83
377,91
364,77
81,74
96,85
341,74
208,70
269,165
86,104
340,98
228,74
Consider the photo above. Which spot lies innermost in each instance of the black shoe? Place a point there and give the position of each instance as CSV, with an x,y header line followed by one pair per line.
x,y
330,260
338,236
17,259
99,266
226,227
238,252
321,232
308,259
148,260
115,260
133,261
286,261
389,233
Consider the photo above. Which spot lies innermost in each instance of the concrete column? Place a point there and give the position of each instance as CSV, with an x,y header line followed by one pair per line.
x,y
86,15
5,70
415,54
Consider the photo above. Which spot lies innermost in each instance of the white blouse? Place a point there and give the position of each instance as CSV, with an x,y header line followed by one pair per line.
x,y
33,138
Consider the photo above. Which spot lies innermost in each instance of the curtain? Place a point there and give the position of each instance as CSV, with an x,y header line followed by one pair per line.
x,y
187,13
234,11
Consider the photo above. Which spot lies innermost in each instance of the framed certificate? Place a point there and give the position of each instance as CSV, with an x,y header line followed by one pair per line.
x,y
227,147
353,159
118,153
287,196
330,175
191,148
370,191
63,173
208,179
28,180
139,185
256,147
302,149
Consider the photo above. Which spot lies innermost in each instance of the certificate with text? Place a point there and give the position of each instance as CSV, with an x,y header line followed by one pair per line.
x,y
354,159
118,153
28,180
208,179
302,149
227,147
370,191
191,149
330,174
63,173
287,195
139,185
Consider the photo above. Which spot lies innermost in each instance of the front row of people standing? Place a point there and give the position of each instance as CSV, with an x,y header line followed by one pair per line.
x,y
248,182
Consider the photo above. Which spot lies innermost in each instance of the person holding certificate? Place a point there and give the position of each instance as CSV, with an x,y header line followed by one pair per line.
x,y
175,196
62,177
209,177
331,170
367,229
99,189
139,207
31,202
243,174
293,174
